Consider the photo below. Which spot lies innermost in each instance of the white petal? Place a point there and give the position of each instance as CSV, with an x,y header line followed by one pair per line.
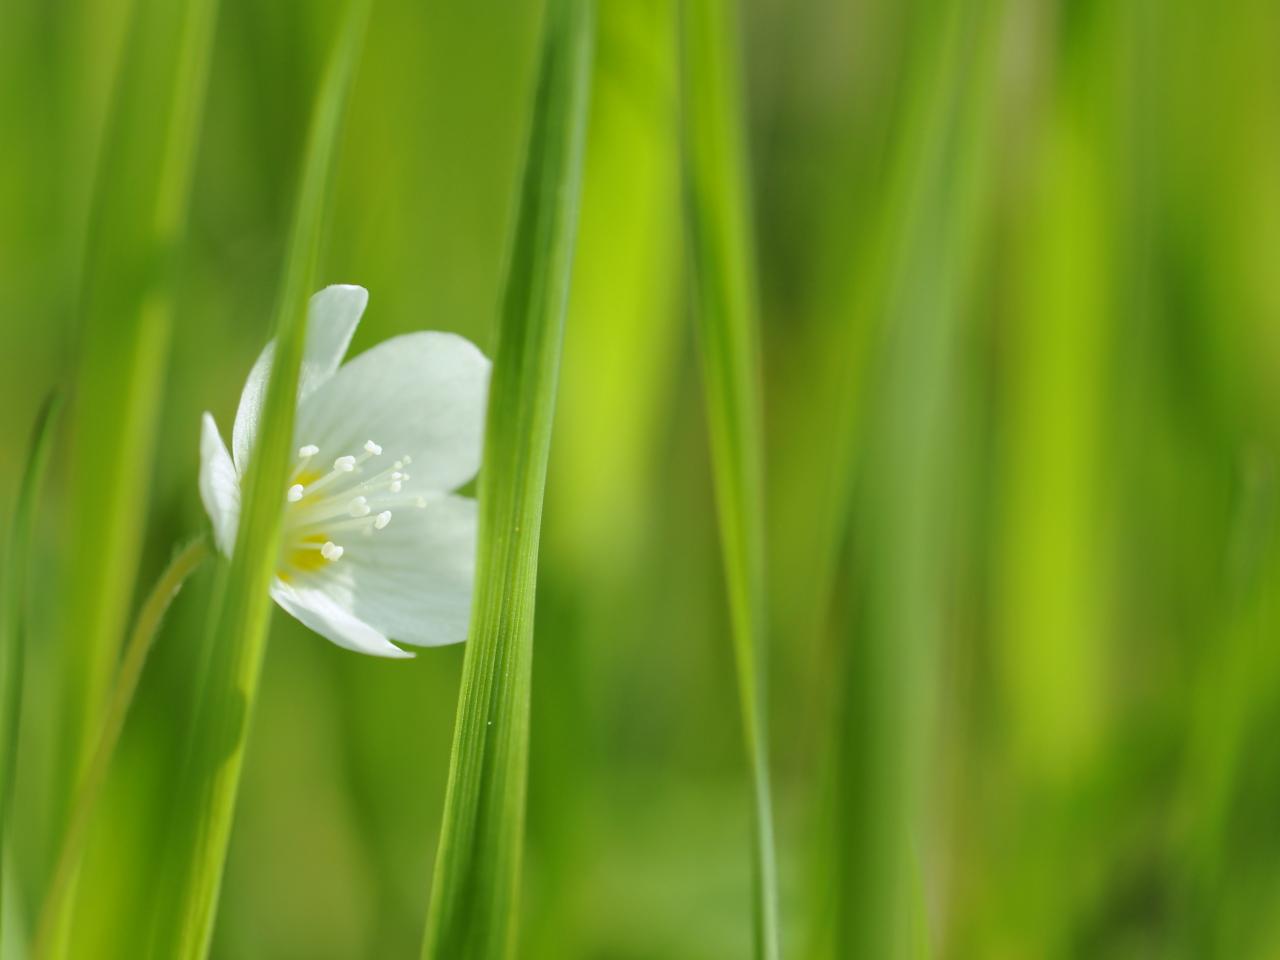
x,y
219,486
332,317
421,394
318,608
412,580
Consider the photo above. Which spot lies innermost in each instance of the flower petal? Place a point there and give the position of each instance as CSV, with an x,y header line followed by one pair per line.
x,y
421,394
332,317
318,609
413,579
219,486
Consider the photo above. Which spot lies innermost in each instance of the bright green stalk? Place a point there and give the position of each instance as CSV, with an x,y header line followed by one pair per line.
x,y
475,896
185,563
187,910
723,257
890,676
141,201
13,592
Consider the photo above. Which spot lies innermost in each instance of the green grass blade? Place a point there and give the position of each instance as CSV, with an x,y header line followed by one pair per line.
x,y
188,908
13,592
185,562
136,233
474,903
881,823
723,257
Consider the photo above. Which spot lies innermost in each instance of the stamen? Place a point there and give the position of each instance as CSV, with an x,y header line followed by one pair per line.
x,y
359,507
330,550
310,450
396,486
344,464
295,493
382,519
407,459
373,448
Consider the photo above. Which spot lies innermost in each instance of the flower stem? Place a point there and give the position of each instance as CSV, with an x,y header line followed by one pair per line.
x,y
58,899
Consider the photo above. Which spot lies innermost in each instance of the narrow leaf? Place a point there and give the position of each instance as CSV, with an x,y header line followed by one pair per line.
x,y
186,562
723,257
186,911
138,223
474,902
13,592
890,671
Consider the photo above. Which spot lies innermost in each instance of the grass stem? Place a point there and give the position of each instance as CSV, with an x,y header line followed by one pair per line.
x,y
187,562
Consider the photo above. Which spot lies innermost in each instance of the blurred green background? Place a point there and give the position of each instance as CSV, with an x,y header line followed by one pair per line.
x,y
1022,385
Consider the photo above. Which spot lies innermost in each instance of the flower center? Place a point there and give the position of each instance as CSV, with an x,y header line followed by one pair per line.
x,y
324,509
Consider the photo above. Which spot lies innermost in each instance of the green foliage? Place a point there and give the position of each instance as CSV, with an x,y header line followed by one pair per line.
x,y
722,253
14,589
475,896
126,312
239,616
1002,493
88,792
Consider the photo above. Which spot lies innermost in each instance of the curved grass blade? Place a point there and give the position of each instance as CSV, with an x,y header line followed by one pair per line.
x,y
13,592
138,223
188,906
723,254
186,562
474,901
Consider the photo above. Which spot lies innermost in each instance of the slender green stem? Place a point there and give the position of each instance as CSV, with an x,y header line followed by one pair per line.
x,y
723,254
127,307
188,560
475,896
186,907
13,592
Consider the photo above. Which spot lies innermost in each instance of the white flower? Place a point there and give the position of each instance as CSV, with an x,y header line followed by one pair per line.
x,y
373,544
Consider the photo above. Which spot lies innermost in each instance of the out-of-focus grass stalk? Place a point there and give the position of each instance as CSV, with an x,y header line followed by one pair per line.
x,y
187,904
13,592
615,383
185,563
474,901
925,261
1053,609
1229,709
136,231
722,250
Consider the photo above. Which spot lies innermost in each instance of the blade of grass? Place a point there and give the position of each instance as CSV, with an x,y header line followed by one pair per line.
x,y
13,592
139,216
185,563
926,260
615,383
475,895
723,256
187,909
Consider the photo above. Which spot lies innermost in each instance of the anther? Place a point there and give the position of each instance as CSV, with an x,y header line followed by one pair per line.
x,y
295,493
382,519
310,450
330,550
407,459
359,507
420,502
396,486
373,448
344,464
